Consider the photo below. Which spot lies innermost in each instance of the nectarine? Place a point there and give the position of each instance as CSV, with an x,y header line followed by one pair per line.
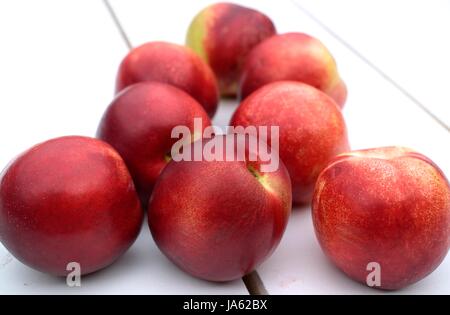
x,y
139,123
68,200
295,57
388,207
172,64
223,34
219,219
312,129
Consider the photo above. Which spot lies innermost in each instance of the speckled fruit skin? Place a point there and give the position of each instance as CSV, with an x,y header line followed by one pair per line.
x,y
216,220
223,34
69,199
388,205
139,123
172,64
312,129
294,57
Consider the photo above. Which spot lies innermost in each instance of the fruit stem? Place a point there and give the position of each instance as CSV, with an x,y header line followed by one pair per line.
x,y
254,284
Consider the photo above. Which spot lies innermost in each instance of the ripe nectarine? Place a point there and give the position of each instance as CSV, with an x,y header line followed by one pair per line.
x,y
295,57
139,123
312,129
223,34
386,206
219,219
172,64
68,200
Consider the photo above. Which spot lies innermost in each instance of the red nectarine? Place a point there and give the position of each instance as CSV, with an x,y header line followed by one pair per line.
x,y
223,34
295,57
218,220
172,64
139,123
67,200
312,129
388,206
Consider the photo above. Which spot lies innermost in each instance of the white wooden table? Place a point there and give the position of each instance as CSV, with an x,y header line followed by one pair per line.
x,y
58,61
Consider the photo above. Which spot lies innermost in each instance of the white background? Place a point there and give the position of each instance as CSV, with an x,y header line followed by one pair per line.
x,y
58,61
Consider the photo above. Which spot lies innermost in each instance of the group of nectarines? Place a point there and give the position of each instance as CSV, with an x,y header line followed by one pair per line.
x,y
80,199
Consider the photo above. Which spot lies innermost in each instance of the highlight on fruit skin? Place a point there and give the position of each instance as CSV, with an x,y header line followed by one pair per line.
x,y
292,57
389,206
172,64
223,34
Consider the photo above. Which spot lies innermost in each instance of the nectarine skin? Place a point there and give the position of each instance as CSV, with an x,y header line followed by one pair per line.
x,y
69,199
218,220
388,205
138,124
223,34
294,57
172,64
312,129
